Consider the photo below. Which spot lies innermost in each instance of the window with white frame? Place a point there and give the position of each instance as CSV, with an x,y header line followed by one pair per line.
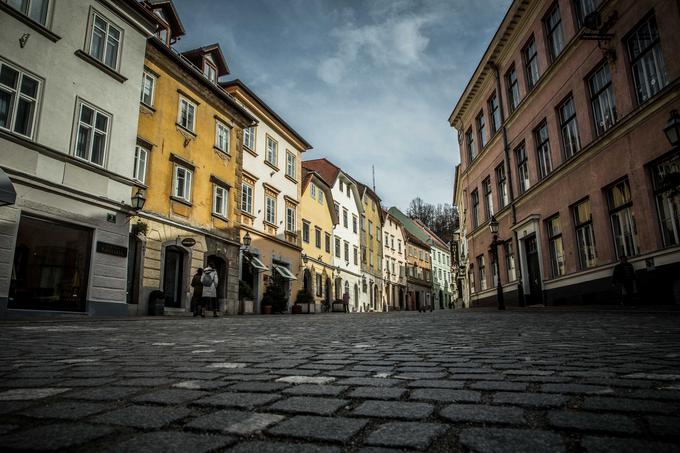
x,y
646,60
622,221
247,198
312,190
354,223
513,88
92,134
290,219
141,159
249,138
319,194
482,272
220,197
35,9
105,39
337,247
270,209
530,55
543,150
148,88
182,183
555,246
502,185
553,28
345,218
210,71
305,231
19,96
187,114
346,245
602,98
272,151
290,164
222,137
522,168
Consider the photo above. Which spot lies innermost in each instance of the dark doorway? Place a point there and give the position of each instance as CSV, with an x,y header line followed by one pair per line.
x,y
401,299
173,276
533,270
356,297
328,291
133,271
441,299
220,267
307,281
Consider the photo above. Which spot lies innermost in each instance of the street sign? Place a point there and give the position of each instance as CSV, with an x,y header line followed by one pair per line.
x,y
188,242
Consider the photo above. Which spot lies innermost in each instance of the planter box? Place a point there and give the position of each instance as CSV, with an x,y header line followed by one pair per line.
x,y
338,306
304,308
248,307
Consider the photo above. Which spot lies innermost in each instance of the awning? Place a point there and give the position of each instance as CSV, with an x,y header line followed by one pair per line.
x,y
256,263
284,272
7,193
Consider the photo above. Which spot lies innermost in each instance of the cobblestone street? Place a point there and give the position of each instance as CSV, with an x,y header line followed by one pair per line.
x,y
482,381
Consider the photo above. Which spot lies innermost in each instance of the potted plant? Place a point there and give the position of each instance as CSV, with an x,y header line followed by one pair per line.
x,y
274,299
302,302
267,301
245,297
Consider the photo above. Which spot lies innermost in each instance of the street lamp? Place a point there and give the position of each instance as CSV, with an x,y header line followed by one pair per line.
x,y
305,258
138,200
672,129
493,226
247,241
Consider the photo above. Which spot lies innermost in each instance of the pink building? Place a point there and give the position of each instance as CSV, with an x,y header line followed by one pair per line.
x,y
562,139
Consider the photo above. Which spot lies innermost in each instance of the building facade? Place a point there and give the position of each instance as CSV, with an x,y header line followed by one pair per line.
x,y
418,274
188,160
270,197
394,254
371,222
71,72
561,134
440,258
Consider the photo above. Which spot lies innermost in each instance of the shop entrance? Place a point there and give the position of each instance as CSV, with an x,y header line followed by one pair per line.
x,y
174,276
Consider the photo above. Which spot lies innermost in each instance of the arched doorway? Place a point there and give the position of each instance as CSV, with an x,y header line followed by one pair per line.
x,y
174,275
441,299
220,267
401,299
376,298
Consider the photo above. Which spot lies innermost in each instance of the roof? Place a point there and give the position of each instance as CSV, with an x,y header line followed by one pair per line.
x,y
363,188
439,242
409,225
415,240
325,168
171,15
211,49
237,83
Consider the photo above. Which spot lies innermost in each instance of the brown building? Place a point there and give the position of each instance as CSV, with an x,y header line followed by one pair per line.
x,y
418,273
561,134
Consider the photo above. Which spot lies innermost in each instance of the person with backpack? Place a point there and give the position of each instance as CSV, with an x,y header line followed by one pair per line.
x,y
209,281
197,297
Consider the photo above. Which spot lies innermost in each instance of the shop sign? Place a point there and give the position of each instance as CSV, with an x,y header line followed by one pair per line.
x,y
112,249
188,242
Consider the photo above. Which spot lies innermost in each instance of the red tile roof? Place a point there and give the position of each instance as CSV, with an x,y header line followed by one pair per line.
x,y
326,169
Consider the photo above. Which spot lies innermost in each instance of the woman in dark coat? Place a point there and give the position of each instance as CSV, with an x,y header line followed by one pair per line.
x,y
197,297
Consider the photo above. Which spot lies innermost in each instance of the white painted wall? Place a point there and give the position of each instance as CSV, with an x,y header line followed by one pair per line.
x,y
393,231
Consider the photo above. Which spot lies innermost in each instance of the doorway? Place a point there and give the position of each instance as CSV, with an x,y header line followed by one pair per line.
x,y
441,299
533,270
329,301
174,276
133,271
220,267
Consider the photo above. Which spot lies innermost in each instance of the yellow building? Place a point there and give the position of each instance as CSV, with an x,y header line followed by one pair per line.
x,y
188,163
318,220
371,250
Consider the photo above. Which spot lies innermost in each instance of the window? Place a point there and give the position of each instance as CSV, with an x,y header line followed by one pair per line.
x,y
585,7
495,114
187,114
317,237
182,183
470,143
210,71
488,197
502,184
622,220
522,168
35,9
494,272
305,231
356,256
319,285
363,254
247,198
290,219
646,60
543,150
666,181
531,63
481,270
312,190
336,206
471,278
249,138
270,209
345,220
291,167
585,238
387,239
399,245
340,185
272,151
19,93
370,229
354,223
553,29
346,244
555,246
148,88
319,194
509,261
378,235
92,134
327,241
222,137
474,196
513,89
481,130
337,247
220,196
568,128
141,158
105,41
602,99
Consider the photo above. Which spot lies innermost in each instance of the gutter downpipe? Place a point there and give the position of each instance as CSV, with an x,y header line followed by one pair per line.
x,y
508,172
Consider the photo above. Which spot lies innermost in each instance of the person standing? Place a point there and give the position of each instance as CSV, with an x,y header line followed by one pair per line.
x,y
197,296
624,280
210,280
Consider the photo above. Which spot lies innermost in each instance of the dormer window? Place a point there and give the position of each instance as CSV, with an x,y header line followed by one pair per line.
x,y
163,34
210,71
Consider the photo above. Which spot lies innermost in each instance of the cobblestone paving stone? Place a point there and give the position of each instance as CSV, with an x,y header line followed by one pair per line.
x,y
569,380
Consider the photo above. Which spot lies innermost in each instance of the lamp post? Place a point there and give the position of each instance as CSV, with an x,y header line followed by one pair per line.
x,y
493,226
672,129
138,200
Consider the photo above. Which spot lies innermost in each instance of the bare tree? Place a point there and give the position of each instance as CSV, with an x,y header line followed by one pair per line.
x,y
442,219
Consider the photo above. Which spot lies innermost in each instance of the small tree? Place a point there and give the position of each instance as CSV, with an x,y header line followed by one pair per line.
x,y
275,296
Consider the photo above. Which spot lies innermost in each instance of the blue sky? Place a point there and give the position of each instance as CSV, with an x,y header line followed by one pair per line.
x,y
366,82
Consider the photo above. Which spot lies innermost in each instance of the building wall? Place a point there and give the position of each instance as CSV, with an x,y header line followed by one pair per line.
x,y
623,151
441,259
394,253
371,240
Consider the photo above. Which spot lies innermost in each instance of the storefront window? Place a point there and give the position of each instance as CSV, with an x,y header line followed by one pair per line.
x,y
51,266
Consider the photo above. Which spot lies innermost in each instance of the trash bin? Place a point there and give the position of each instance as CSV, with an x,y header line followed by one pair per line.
x,y
156,303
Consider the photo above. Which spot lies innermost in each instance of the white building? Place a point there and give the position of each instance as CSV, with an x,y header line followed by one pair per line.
x,y
346,246
70,83
394,254
441,269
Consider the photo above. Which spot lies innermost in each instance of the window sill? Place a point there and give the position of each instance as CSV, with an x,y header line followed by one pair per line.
x,y
147,107
181,200
250,151
101,66
270,224
220,216
291,179
269,164
184,129
221,151
248,214
47,33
